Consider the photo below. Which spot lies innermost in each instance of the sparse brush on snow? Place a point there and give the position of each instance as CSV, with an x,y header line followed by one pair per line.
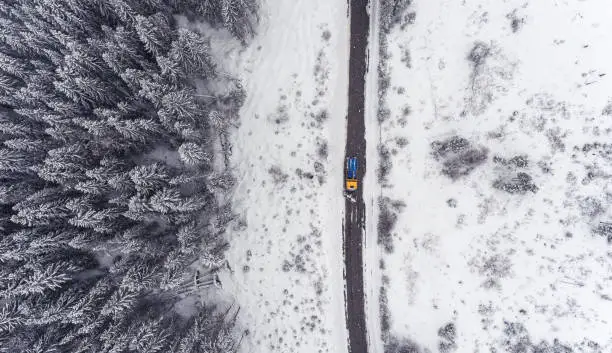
x,y
387,217
392,12
493,268
514,179
478,54
521,183
520,161
401,345
322,149
604,229
517,339
590,207
458,156
385,314
278,176
384,163
516,22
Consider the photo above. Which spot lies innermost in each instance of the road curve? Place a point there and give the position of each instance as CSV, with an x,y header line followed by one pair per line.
x,y
354,217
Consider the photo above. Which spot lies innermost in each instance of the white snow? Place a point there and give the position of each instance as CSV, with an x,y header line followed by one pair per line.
x,y
540,93
286,257
371,251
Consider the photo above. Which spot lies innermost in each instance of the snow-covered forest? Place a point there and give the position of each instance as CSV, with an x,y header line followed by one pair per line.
x,y
114,127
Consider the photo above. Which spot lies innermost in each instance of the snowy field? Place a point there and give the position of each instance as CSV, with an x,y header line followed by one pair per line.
x,y
285,256
499,141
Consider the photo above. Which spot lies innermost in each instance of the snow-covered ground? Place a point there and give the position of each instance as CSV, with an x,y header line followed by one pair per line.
x,y
499,139
285,255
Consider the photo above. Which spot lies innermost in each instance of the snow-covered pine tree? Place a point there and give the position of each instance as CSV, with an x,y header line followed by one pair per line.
x,y
193,154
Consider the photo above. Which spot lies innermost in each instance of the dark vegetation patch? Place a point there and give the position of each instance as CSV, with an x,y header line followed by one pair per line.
x,y
406,57
514,179
322,149
406,110
401,345
604,229
590,207
478,54
384,164
458,156
401,142
281,115
393,12
521,183
387,218
304,175
448,336
555,139
603,150
326,35
385,315
520,161
278,176
607,110
516,339
516,22
384,113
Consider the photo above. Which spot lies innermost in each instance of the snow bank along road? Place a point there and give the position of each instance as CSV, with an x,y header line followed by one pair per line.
x,y
354,222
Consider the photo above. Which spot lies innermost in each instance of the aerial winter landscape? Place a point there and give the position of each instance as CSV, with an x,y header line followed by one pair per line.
x,y
241,176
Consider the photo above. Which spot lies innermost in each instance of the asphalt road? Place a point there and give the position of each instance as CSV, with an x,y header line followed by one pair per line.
x,y
354,220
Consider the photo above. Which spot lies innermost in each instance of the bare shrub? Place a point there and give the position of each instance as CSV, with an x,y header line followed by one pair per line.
x,y
604,229
519,161
401,345
384,163
385,315
590,207
520,184
407,58
453,144
387,218
459,158
321,116
517,340
391,13
383,113
278,177
516,22
496,266
448,335
281,115
448,332
326,35
386,221
401,142
323,150
607,110
479,54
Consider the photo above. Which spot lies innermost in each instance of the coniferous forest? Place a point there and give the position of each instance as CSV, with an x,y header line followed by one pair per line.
x,y
114,144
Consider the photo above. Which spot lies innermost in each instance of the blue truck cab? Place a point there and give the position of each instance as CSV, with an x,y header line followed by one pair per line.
x,y
351,174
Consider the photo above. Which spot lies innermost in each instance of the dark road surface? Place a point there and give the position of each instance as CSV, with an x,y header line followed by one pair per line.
x,y
354,221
